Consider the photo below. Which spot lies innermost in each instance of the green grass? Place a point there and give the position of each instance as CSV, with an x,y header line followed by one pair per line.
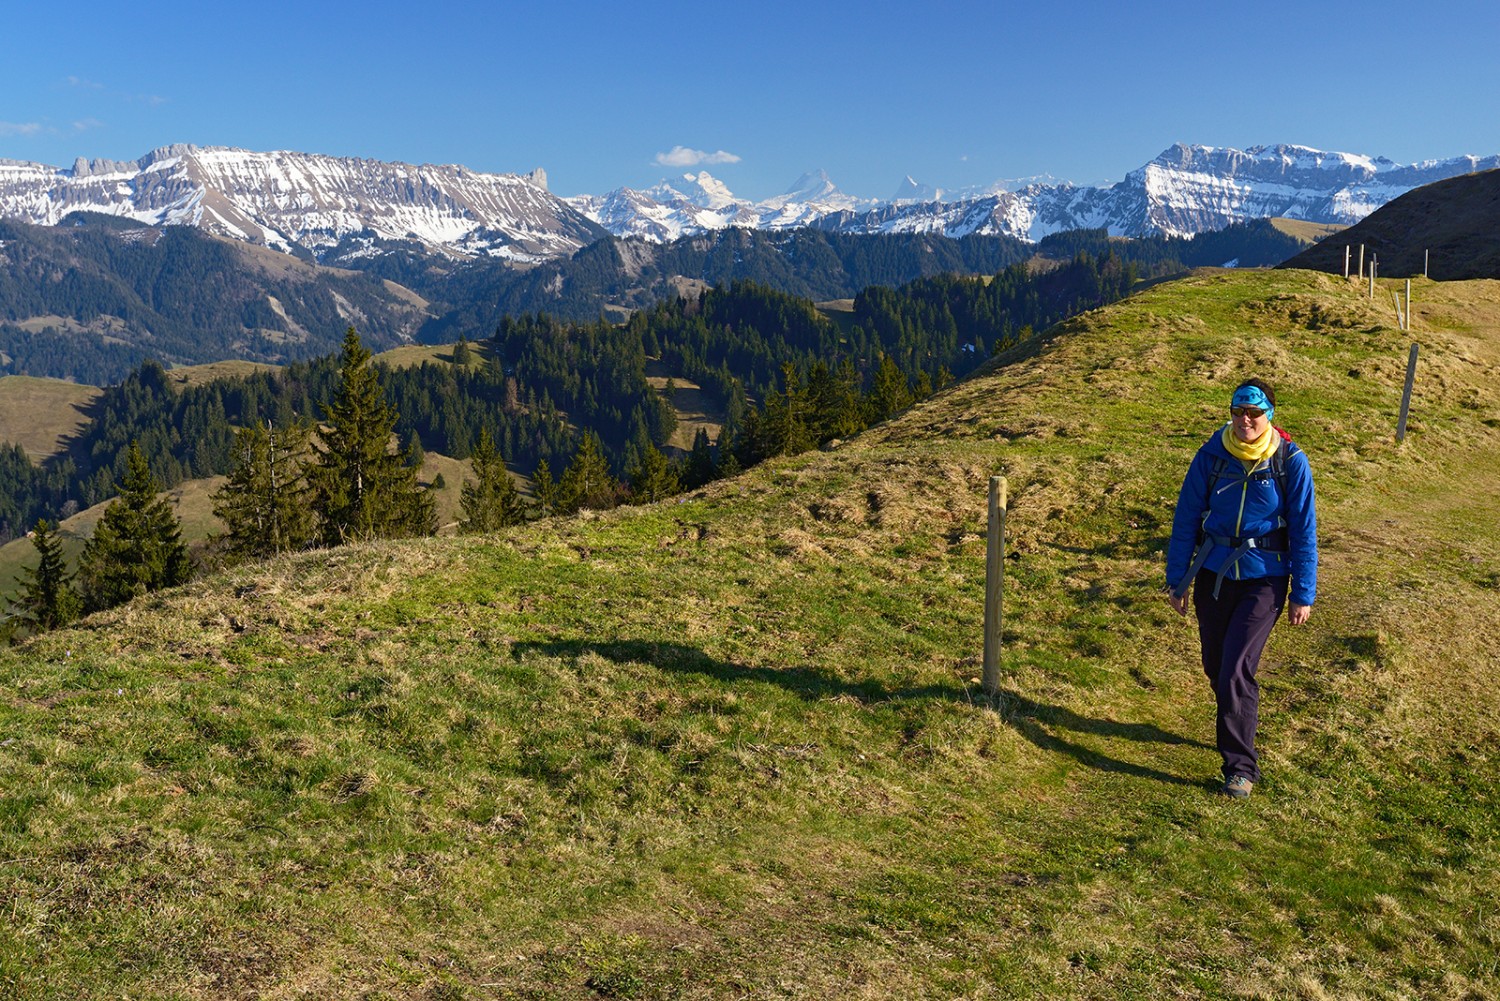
x,y
733,745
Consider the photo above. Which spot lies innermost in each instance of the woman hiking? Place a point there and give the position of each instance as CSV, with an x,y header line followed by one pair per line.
x,y
1244,537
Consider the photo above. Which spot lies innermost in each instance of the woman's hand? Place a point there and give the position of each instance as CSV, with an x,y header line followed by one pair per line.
x,y
1179,603
1299,614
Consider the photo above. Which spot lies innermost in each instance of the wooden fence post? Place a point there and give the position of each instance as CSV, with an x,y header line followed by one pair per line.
x,y
1411,374
994,582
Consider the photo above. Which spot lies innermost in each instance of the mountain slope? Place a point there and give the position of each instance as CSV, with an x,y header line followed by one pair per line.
x,y
730,746
305,201
1451,228
318,206
91,299
1186,189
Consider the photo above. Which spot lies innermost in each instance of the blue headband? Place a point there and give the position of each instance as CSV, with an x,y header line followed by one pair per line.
x,y
1252,396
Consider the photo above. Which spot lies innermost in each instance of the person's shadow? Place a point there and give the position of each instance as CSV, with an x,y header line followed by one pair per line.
x,y
1038,722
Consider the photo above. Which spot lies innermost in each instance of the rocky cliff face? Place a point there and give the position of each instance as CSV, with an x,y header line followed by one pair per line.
x,y
1185,190
306,202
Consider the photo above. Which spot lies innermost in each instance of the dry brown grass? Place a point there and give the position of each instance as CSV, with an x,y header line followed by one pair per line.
x,y
41,414
695,410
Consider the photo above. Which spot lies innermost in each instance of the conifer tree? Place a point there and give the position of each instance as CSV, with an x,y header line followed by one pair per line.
x,y
46,601
588,481
265,502
889,393
363,490
462,355
700,467
415,453
653,479
544,489
491,500
136,547
833,402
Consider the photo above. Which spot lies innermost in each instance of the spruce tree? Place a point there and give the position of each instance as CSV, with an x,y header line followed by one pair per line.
x,y
46,601
491,500
364,490
462,355
700,463
136,547
265,503
544,489
588,481
653,479
890,392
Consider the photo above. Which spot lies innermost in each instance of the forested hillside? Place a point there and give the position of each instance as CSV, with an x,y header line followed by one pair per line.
x,y
540,384
808,263
91,299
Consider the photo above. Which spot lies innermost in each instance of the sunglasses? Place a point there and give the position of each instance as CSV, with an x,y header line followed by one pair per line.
x,y
1254,413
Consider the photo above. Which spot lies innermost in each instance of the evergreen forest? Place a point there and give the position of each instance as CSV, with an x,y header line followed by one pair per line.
x,y
541,386
92,299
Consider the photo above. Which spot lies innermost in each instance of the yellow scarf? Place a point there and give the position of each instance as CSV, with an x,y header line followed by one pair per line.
x,y
1253,453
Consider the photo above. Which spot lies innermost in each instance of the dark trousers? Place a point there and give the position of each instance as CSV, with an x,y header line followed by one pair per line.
x,y
1233,629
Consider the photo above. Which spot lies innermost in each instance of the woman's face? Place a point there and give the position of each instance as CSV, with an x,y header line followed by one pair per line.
x,y
1249,423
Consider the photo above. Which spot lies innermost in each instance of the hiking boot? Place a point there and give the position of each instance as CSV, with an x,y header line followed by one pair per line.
x,y
1238,787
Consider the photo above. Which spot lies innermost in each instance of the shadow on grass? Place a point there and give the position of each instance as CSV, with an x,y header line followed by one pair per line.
x,y
806,683
1038,722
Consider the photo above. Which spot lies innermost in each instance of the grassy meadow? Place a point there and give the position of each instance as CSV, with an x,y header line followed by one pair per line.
x,y
733,745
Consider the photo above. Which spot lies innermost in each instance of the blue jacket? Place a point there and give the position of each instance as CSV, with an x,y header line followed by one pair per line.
x,y
1246,506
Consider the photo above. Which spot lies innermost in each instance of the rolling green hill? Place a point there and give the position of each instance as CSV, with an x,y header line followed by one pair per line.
x,y
192,502
733,745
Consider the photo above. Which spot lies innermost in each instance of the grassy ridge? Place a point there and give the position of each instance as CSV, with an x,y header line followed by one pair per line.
x,y
732,746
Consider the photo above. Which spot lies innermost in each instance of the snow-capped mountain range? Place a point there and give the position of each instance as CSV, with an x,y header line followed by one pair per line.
x,y
312,204
305,201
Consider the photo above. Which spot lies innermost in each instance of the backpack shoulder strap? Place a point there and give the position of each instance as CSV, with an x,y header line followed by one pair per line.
x,y
1278,463
1215,472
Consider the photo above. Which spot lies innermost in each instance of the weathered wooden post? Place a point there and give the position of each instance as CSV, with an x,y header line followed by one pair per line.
x,y
1361,260
1411,374
1424,262
1346,262
1374,263
994,582
1408,304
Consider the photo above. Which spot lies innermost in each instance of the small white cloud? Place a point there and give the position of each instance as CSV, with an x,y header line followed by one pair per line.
x,y
78,81
19,128
681,156
84,124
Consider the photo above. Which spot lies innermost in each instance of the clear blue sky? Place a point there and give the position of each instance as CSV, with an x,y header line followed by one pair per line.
x,y
600,94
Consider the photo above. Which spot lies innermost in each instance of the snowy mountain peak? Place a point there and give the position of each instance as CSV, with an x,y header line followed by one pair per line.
x,y
702,189
911,190
812,186
316,203
286,199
